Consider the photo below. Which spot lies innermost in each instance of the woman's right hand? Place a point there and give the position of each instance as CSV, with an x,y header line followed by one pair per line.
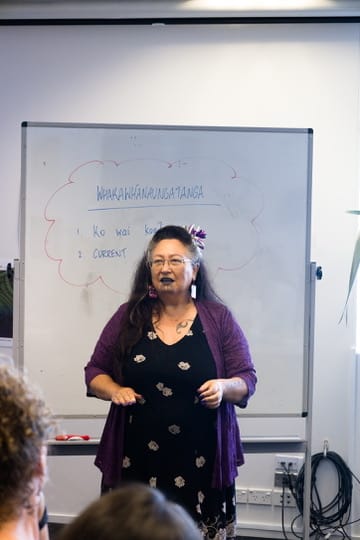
x,y
124,395
104,387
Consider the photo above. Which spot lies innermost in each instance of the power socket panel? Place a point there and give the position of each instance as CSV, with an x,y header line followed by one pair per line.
x,y
259,496
283,498
241,495
288,463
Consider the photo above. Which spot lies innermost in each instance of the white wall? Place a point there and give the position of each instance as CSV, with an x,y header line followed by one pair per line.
x,y
266,75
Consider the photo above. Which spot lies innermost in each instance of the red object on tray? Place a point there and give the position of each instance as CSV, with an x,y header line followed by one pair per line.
x,y
72,437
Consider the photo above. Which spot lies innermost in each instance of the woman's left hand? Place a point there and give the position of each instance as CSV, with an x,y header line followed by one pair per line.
x,y
211,393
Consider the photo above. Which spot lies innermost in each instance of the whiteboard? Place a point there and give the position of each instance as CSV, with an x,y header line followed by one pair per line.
x,y
92,196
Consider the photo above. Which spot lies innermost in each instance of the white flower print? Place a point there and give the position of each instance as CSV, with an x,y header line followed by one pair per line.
x,y
198,509
204,530
230,530
201,497
174,429
152,481
142,401
179,482
126,462
184,365
153,446
190,333
151,335
139,358
164,389
200,461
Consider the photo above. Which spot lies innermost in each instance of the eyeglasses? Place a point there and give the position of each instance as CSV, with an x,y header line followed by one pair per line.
x,y
174,262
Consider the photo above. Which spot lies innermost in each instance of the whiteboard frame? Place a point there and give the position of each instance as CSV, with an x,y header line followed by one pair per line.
x,y
308,311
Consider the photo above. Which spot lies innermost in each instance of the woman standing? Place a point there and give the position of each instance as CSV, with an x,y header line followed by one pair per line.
x,y
173,361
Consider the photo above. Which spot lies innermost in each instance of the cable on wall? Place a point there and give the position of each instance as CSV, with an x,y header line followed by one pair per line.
x,y
330,517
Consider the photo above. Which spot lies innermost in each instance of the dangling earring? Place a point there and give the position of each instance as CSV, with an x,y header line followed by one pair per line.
x,y
152,292
193,291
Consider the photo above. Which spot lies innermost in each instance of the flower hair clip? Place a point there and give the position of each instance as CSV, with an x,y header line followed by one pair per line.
x,y
198,235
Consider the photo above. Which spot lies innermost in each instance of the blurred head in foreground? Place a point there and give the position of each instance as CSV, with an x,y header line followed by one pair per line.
x,y
132,512
25,424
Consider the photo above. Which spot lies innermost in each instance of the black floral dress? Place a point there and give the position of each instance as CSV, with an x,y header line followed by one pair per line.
x,y
170,437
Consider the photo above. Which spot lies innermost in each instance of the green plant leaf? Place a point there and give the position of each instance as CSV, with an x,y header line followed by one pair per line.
x,y
354,267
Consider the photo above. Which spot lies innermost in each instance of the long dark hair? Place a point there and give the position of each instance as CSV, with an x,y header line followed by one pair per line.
x,y
138,316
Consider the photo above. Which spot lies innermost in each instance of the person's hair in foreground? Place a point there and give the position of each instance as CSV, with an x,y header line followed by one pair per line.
x,y
132,512
25,424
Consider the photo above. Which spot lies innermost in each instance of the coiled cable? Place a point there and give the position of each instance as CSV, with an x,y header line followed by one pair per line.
x,y
325,519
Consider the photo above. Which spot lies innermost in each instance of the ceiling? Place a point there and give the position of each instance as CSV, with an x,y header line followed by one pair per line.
x,y
23,10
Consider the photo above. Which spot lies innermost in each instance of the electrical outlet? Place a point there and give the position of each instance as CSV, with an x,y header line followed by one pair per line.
x,y
289,463
259,496
241,495
283,498
283,479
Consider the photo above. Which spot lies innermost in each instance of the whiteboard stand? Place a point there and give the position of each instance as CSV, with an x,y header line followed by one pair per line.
x,y
315,274
92,193
17,320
